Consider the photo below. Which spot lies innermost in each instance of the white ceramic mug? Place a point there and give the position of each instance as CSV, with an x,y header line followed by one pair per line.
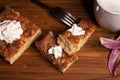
x,y
106,18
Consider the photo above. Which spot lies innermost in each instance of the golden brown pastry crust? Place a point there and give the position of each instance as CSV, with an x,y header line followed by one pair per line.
x,y
8,50
71,44
61,63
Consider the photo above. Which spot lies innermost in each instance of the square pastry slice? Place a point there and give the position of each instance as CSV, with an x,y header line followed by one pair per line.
x,y
52,52
73,39
16,34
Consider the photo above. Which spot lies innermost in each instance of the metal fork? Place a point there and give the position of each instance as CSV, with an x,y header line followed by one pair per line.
x,y
59,13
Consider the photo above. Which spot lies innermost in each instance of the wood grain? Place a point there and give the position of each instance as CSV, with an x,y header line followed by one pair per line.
x,y
92,63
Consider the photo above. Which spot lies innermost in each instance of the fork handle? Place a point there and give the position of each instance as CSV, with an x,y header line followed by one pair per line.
x,y
42,4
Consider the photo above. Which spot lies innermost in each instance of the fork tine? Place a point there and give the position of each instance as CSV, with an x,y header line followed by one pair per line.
x,y
72,18
66,22
62,15
67,17
69,20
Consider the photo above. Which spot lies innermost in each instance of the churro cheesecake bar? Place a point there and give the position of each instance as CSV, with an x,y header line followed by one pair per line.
x,y
16,34
75,37
49,48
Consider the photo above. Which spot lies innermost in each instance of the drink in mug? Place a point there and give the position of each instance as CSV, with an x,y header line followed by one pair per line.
x,y
107,13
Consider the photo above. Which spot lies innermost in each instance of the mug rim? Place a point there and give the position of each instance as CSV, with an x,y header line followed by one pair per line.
x,y
112,12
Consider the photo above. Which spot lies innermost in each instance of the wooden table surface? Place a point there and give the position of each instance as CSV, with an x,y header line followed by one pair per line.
x,y
92,63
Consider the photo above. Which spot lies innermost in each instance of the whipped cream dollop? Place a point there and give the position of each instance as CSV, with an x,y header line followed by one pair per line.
x,y
10,30
56,51
76,30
